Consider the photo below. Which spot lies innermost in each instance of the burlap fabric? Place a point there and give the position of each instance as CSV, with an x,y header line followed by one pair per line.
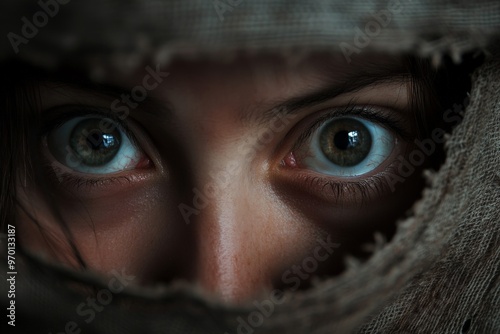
x,y
439,274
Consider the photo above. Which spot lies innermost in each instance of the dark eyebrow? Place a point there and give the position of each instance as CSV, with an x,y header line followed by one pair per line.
x,y
346,84
366,75
150,105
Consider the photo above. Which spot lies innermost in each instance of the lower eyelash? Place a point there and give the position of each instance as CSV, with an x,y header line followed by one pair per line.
x,y
366,189
77,182
373,186
80,182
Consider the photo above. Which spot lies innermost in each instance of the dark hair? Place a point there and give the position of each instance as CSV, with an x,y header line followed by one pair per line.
x,y
20,125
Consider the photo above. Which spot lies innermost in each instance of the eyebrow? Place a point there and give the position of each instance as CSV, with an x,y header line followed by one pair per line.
x,y
370,74
334,89
150,105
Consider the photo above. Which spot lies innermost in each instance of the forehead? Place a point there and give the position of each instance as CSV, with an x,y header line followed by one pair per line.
x,y
250,84
275,67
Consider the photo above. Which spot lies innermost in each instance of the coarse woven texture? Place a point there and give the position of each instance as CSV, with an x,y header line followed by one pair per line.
x,y
441,271
119,32
460,211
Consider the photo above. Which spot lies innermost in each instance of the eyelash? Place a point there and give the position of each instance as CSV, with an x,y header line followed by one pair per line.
x,y
68,113
338,189
368,112
74,180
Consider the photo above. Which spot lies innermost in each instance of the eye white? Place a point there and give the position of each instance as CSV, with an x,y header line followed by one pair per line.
x,y
382,145
126,158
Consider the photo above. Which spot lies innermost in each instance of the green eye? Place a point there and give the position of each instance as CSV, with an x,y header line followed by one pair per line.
x,y
346,142
94,146
348,146
84,145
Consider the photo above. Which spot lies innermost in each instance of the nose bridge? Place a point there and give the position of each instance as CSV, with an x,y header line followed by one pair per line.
x,y
245,236
233,225
229,259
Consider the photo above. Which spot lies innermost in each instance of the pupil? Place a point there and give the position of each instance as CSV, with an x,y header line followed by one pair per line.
x,y
95,139
346,142
92,145
345,139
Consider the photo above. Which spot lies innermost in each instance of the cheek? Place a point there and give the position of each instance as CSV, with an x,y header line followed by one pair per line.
x,y
132,229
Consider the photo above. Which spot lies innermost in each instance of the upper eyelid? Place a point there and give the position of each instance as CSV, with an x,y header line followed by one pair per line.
x,y
363,111
106,95
354,85
66,113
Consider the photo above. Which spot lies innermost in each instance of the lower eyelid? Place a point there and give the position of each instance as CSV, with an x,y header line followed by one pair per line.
x,y
312,189
83,186
338,190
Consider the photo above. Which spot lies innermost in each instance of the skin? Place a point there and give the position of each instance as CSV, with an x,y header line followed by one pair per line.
x,y
265,216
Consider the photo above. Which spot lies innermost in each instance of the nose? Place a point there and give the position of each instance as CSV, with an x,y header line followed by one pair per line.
x,y
245,237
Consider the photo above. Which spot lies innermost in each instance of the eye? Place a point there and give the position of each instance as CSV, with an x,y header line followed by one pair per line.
x,y
94,145
348,147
